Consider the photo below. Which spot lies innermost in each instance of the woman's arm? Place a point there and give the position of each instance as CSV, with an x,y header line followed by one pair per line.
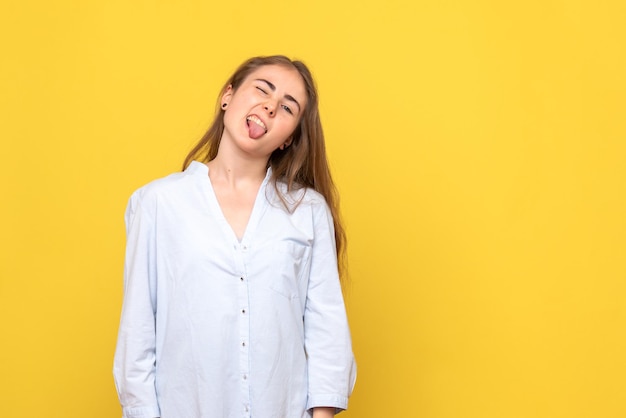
x,y
323,412
331,367
134,364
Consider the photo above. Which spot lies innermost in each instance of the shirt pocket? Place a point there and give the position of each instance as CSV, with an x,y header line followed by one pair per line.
x,y
290,259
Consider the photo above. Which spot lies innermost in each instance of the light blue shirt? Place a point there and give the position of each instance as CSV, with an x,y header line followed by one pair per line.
x,y
214,327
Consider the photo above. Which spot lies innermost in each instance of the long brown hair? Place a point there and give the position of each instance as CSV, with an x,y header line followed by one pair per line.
x,y
303,163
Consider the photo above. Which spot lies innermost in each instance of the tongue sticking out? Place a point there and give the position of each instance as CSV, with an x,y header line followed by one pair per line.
x,y
255,131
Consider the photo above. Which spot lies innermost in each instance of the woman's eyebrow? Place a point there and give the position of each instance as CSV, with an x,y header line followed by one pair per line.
x,y
270,85
292,99
273,88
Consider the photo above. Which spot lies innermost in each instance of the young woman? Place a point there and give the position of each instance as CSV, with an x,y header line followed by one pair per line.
x,y
232,299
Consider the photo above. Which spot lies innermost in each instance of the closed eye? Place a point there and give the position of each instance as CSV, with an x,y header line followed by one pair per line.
x,y
263,91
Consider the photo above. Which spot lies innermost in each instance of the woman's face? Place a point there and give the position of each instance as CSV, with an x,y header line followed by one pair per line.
x,y
265,109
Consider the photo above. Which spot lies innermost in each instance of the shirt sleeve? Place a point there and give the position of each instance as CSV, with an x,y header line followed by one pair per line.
x,y
134,363
331,365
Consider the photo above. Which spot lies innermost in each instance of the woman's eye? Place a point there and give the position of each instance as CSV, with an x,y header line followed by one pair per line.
x,y
262,91
287,109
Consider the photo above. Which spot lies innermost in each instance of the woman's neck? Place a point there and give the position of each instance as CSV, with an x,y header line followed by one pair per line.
x,y
232,169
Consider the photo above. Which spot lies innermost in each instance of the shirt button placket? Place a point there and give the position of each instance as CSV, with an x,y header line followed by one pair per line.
x,y
244,333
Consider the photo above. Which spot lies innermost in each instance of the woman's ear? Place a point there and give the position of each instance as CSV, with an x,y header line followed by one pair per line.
x,y
287,142
226,96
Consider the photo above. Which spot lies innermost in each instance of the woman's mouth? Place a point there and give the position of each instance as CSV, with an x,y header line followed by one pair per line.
x,y
256,127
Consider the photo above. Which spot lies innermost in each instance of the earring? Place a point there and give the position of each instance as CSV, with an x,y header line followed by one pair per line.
x,y
224,105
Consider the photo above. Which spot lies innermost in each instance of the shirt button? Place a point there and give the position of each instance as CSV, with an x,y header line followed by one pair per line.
x,y
245,377
243,344
243,311
241,278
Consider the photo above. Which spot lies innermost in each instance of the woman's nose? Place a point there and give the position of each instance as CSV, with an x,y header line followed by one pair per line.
x,y
270,108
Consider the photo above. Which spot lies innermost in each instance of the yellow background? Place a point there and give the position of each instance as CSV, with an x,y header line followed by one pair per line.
x,y
479,147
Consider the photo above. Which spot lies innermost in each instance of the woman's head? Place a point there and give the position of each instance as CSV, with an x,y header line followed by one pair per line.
x,y
262,113
307,136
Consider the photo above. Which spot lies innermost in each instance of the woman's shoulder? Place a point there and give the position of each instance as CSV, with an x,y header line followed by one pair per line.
x,y
173,183
300,195
157,186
